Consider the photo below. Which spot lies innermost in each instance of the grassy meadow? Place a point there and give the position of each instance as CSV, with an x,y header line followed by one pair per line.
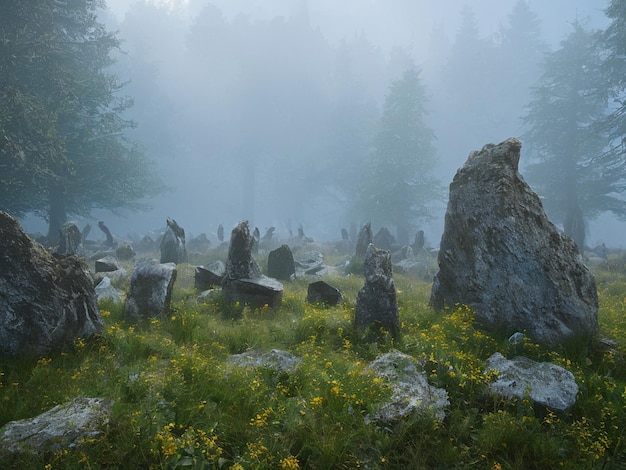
x,y
179,403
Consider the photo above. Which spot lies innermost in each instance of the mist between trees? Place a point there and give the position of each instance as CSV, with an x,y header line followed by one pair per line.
x,y
269,120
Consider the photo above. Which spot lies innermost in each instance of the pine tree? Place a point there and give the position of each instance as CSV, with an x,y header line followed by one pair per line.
x,y
563,139
63,149
399,189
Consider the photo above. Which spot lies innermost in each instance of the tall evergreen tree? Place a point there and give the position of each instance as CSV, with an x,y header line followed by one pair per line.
x,y
614,40
399,188
63,149
564,141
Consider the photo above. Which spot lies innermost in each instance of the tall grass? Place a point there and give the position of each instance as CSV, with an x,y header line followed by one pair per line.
x,y
179,402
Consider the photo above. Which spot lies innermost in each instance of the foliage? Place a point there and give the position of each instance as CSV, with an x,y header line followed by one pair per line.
x,y
399,189
576,180
180,402
614,65
63,148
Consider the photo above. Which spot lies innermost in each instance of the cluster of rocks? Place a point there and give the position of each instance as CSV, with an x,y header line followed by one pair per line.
x,y
499,254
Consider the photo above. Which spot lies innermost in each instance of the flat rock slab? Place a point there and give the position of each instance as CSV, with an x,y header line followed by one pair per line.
x,y
411,391
280,361
63,426
543,382
256,293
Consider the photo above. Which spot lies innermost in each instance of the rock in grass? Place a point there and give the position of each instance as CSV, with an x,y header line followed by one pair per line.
x,y
243,281
411,391
46,301
276,359
376,304
501,255
150,292
323,293
543,382
62,427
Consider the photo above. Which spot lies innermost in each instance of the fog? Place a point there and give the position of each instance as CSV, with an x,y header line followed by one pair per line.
x,y
266,110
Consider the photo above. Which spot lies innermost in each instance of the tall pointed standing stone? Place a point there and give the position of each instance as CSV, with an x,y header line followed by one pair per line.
x,y
501,255
376,304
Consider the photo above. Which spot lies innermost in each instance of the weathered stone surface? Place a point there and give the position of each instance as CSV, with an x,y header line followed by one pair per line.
x,y
46,301
71,240
105,290
280,263
240,263
256,293
243,281
376,304
363,241
323,293
501,255
210,275
276,359
310,262
107,264
543,382
62,427
150,292
411,391
172,246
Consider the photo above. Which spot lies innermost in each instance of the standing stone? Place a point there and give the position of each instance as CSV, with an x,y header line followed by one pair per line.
x,y
501,255
364,239
280,263
150,293
240,263
323,293
384,239
46,301
376,304
243,281
71,240
173,248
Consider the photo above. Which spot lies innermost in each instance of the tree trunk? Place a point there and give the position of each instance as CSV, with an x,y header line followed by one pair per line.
x,y
57,215
574,224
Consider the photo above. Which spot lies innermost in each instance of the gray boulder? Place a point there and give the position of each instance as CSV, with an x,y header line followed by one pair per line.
x,y
243,281
62,427
150,292
105,290
323,293
210,275
501,255
376,304
46,301
276,359
280,263
411,391
310,262
545,383
107,264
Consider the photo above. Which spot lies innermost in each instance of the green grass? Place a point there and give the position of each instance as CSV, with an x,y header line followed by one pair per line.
x,y
180,404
